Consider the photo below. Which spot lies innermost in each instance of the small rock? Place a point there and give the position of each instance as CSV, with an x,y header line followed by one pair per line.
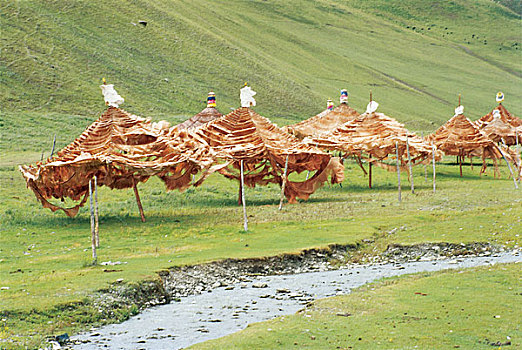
x,y
259,285
216,284
282,290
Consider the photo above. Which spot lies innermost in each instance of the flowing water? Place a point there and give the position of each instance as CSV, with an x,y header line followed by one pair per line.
x,y
229,309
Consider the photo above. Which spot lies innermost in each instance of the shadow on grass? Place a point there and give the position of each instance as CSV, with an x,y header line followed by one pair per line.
x,y
465,176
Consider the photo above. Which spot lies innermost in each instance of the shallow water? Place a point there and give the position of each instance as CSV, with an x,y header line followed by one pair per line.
x,y
224,311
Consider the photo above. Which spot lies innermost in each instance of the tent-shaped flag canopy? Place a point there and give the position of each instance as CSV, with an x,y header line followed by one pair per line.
x,y
203,117
121,150
208,114
244,135
374,136
502,132
323,122
460,137
505,116
500,125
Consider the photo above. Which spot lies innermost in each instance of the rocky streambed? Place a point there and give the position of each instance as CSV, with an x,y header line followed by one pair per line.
x,y
215,299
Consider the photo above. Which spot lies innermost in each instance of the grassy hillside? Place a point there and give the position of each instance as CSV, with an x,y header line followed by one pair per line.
x,y
415,56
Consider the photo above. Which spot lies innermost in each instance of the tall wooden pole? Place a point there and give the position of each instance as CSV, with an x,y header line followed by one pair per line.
x,y
398,169
96,223
54,144
433,159
283,185
370,174
509,166
516,137
240,194
245,219
93,235
460,163
425,167
409,165
511,171
138,200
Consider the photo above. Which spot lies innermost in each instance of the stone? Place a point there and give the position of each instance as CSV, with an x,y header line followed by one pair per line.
x,y
259,285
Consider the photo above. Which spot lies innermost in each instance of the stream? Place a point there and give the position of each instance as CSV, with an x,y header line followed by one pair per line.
x,y
228,309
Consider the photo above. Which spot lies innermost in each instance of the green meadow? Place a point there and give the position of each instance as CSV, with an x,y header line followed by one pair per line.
x,y
415,57
46,257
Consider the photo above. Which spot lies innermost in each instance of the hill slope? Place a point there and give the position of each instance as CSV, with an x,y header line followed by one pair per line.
x,y
416,57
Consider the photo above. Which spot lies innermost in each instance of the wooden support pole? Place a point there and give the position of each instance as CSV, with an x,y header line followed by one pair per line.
x,y
398,169
425,167
283,185
93,235
54,144
410,174
240,193
245,219
138,200
471,162
359,163
510,170
460,165
434,173
96,221
370,174
516,140
509,166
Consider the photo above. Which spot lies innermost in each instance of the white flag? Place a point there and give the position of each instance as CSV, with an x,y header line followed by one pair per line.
x,y
372,107
247,97
111,96
459,110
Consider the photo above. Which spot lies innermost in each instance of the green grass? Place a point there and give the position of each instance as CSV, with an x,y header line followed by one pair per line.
x,y
54,54
45,257
295,54
468,309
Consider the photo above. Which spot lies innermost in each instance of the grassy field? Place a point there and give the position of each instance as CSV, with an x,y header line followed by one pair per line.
x,y
470,309
415,57
45,257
